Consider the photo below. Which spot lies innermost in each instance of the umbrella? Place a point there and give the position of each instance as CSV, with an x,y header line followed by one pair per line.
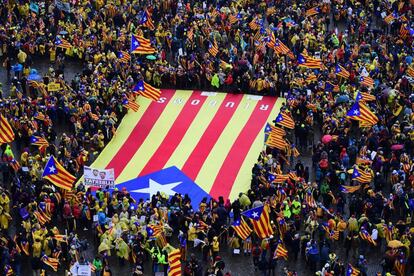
x,y
326,139
342,99
151,57
397,147
395,244
34,76
17,68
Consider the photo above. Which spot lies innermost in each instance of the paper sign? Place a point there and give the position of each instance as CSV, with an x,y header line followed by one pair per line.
x,y
99,177
53,86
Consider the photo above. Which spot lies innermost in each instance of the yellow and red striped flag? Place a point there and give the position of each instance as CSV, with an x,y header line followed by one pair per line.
x,y
124,57
399,267
174,262
141,45
52,262
281,48
361,175
146,90
58,175
241,228
341,71
280,252
41,142
253,24
307,61
275,141
366,236
62,43
6,131
213,48
349,189
130,104
360,112
41,217
146,20
410,71
312,11
259,217
284,119
366,81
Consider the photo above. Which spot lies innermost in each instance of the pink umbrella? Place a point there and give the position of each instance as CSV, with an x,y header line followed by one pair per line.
x,y
326,139
397,147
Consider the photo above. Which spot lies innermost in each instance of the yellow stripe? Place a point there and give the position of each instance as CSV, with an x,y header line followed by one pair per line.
x,y
124,130
216,157
242,182
155,137
196,129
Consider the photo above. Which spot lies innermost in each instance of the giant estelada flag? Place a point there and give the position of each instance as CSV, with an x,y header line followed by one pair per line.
x,y
200,143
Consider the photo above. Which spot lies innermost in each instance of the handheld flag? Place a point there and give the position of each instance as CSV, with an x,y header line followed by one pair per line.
x,y
352,271
366,81
146,20
141,45
309,62
284,119
280,252
365,97
154,230
6,131
39,141
62,43
361,175
281,48
174,262
361,112
275,141
147,91
259,216
349,189
52,262
242,228
366,236
341,71
130,105
312,11
15,165
124,57
213,48
59,176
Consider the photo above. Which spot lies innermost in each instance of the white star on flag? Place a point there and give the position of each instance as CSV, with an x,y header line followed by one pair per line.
x,y
155,187
255,214
52,169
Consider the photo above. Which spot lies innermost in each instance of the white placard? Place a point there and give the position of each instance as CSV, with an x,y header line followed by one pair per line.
x,y
99,177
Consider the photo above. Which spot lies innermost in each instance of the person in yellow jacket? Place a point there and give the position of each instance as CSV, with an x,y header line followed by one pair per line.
x,y
215,247
122,250
4,219
5,202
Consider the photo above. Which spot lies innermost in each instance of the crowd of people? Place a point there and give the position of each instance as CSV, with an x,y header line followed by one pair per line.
x,y
327,59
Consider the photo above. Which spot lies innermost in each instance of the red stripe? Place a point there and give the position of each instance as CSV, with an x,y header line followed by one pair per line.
x,y
175,134
210,136
139,133
238,152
